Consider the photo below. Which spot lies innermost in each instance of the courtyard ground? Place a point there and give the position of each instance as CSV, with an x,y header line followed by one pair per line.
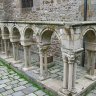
x,y
11,84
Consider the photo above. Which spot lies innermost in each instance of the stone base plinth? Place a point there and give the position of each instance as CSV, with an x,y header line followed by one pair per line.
x,y
91,77
27,68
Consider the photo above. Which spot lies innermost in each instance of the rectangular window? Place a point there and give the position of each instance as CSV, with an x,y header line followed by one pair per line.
x,y
27,3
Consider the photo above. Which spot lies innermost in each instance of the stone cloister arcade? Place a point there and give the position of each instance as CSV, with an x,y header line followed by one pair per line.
x,y
75,40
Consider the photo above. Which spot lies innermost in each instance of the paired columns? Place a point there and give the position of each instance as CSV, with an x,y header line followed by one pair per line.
x,y
27,56
43,62
15,51
69,74
6,47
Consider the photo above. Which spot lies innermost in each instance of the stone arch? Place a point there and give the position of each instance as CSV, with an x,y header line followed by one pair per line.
x,y
28,33
15,35
89,38
47,33
15,32
5,33
87,30
6,30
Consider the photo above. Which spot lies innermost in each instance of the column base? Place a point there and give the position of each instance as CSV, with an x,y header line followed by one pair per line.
x,y
91,77
66,92
27,68
41,78
63,92
16,61
3,52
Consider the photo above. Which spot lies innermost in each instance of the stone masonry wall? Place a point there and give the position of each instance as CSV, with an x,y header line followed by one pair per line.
x,y
49,10
1,10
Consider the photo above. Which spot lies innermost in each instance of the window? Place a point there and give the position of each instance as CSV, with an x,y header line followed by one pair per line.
x,y
27,3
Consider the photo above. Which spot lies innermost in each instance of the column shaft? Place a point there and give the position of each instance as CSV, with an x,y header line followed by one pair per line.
x,y
6,45
92,62
27,56
15,50
2,45
74,76
45,63
65,75
72,72
41,62
70,81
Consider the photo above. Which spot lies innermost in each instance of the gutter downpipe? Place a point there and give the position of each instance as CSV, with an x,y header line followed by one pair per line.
x,y
85,19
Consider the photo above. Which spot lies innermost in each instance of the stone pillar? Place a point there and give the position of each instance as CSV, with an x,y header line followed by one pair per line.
x,y
45,63
41,63
6,47
74,77
93,58
27,56
65,75
91,65
15,50
2,45
72,74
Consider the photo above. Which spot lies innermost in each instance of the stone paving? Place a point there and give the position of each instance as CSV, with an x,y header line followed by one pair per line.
x,y
11,84
92,93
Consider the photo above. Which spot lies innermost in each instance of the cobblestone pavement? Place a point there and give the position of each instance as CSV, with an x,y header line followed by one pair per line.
x,y
11,84
92,93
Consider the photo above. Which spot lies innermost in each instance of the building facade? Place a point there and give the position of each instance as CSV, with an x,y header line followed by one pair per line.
x,y
51,29
48,10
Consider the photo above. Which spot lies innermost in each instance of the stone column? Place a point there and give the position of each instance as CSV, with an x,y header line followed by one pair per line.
x,y
2,45
27,56
74,77
65,75
15,51
41,63
71,81
45,63
92,63
6,45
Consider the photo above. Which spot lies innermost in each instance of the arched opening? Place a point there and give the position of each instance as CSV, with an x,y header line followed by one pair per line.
x,y
16,33
28,34
88,37
6,31
89,40
7,43
46,36
17,47
31,44
54,56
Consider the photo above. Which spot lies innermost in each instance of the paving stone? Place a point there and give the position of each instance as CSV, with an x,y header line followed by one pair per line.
x,y
2,85
29,90
8,87
32,94
40,93
2,90
19,93
23,82
8,92
19,88
4,81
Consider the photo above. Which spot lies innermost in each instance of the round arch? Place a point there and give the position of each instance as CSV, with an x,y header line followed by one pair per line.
x,y
46,35
28,33
89,37
15,32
